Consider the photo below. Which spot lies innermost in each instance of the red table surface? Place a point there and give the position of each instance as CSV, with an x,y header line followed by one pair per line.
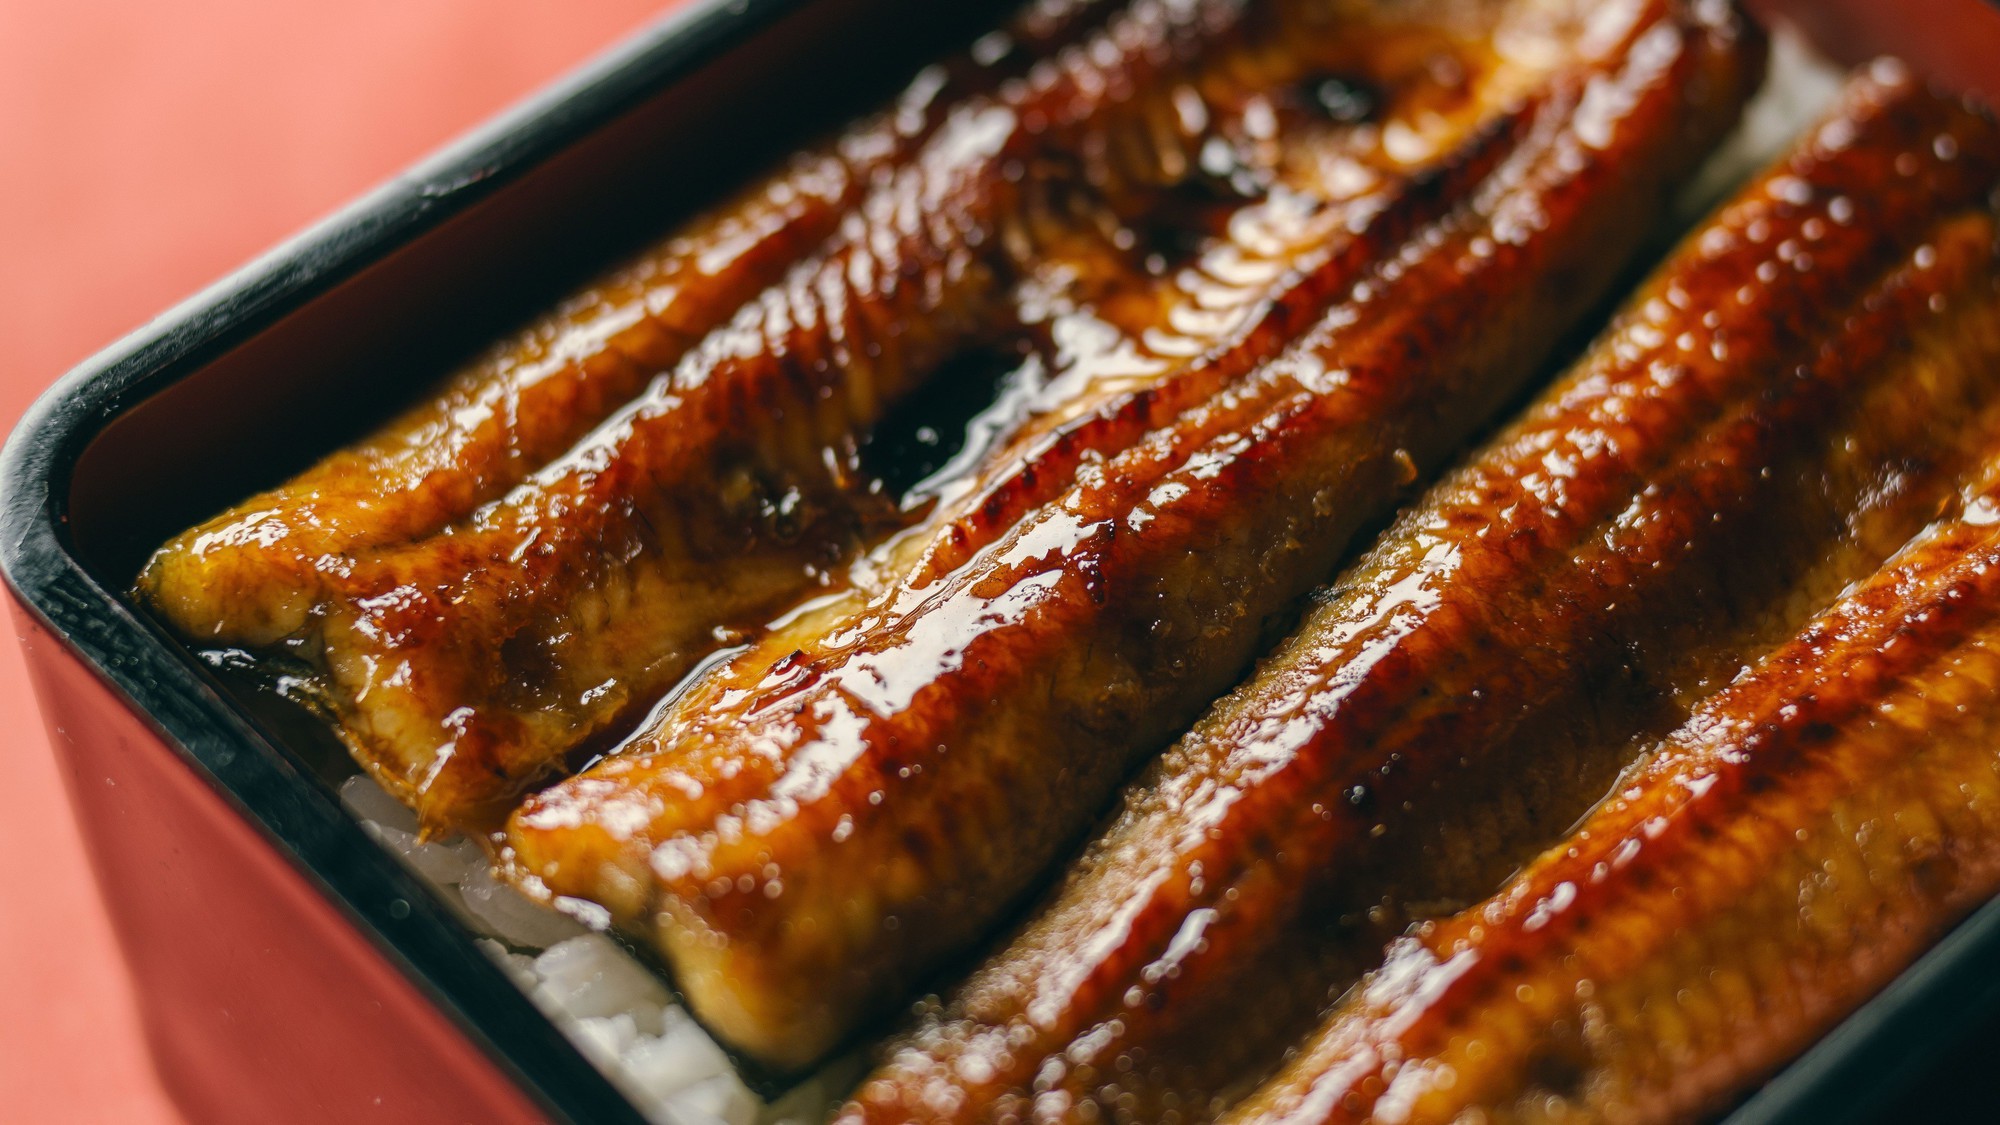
x,y
145,150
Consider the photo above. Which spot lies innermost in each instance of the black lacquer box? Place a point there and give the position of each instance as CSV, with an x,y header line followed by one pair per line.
x,y
290,970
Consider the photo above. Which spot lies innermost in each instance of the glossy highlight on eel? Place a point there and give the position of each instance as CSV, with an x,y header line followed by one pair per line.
x,y
822,821
1205,763
1734,452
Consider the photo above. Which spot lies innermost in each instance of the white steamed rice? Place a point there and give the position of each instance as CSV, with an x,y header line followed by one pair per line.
x,y
612,1007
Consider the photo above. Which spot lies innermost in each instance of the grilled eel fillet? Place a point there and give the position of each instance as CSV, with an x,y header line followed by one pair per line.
x,y
819,823
1782,405
251,575
1805,835
465,666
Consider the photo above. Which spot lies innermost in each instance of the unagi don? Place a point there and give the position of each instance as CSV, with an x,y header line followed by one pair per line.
x,y
534,556
1790,397
822,821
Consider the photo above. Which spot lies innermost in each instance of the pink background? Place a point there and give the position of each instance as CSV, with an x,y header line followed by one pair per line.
x,y
145,150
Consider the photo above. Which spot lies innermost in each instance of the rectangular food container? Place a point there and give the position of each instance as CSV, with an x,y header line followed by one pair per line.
x,y
291,970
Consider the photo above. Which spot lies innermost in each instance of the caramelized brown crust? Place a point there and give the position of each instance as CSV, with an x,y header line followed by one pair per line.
x,y
465,665
1771,417
819,823
1807,833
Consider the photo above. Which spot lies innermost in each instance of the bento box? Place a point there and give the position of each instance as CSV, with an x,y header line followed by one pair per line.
x,y
291,969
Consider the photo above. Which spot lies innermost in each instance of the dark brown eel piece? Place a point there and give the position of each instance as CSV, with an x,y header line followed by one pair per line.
x,y
465,666
825,820
1787,400
1799,841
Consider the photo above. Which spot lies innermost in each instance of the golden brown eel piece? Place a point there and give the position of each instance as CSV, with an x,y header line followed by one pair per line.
x,y
1804,836
1737,454
465,666
1439,110
821,822
251,575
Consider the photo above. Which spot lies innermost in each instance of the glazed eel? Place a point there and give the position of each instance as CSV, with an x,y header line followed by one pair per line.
x,y
1801,839
1790,397
250,575
466,665
821,822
